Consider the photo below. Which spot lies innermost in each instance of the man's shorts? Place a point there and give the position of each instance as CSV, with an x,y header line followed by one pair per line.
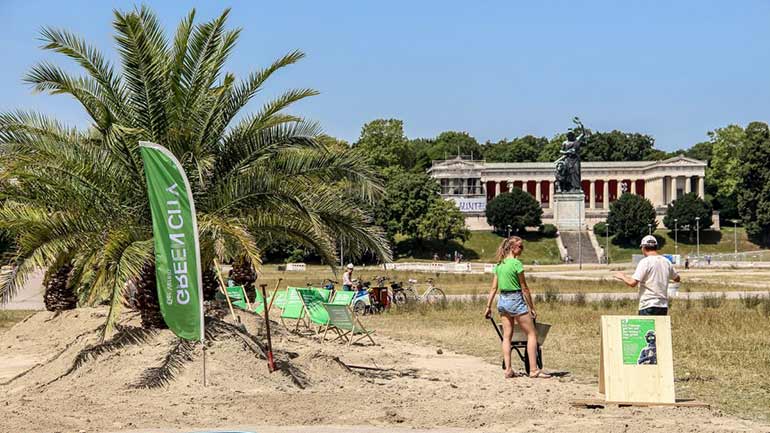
x,y
654,311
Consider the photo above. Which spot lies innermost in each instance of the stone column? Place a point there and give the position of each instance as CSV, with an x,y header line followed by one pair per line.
x,y
632,183
592,194
687,184
498,187
606,198
673,189
701,186
538,193
551,190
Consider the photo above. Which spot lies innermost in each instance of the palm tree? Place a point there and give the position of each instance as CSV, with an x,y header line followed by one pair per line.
x,y
256,178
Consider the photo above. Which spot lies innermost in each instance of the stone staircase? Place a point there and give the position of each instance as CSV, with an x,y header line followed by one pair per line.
x,y
571,242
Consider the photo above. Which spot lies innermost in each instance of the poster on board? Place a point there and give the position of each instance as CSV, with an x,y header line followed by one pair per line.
x,y
638,342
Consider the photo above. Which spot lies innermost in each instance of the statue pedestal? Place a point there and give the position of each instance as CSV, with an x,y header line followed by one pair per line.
x,y
569,210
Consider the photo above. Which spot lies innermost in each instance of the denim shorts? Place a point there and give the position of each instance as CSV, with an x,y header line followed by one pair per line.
x,y
512,303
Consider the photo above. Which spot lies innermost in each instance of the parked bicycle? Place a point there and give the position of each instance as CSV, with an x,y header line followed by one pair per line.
x,y
431,295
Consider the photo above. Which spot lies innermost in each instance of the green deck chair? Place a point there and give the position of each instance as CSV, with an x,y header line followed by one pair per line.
x,y
325,293
343,297
313,302
280,300
237,297
293,307
347,325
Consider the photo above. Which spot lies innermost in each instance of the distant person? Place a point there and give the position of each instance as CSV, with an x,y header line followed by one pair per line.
x,y
514,303
687,263
347,278
708,260
435,257
651,276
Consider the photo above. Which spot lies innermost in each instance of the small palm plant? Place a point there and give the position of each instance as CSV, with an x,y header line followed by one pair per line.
x,y
77,198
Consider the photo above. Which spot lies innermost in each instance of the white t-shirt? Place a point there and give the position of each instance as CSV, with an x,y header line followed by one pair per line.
x,y
653,273
346,279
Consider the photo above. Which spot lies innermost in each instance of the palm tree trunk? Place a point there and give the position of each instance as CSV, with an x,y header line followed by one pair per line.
x,y
147,298
210,284
59,295
243,274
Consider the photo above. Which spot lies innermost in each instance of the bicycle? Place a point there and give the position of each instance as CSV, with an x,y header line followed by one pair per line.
x,y
431,295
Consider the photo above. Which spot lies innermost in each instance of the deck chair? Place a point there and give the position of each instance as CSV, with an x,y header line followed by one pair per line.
x,y
325,293
342,319
293,308
279,300
343,297
237,297
313,302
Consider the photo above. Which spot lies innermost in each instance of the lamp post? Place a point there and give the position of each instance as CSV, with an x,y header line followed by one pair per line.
x,y
676,236
649,229
509,230
607,251
735,240
697,236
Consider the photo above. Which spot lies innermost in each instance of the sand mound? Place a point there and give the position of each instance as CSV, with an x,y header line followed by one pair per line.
x,y
411,386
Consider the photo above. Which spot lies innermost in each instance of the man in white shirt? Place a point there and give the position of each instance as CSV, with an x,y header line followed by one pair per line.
x,y
652,275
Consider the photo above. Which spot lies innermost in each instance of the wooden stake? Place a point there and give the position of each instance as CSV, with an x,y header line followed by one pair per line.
x,y
224,291
204,363
273,297
270,360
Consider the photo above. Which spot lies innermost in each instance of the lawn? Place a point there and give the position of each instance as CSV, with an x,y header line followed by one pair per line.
x,y
8,318
711,242
481,247
721,349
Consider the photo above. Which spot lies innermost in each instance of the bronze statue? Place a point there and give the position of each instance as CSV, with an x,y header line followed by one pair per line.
x,y
568,165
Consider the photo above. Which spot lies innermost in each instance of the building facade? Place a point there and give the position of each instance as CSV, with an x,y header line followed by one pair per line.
x,y
472,183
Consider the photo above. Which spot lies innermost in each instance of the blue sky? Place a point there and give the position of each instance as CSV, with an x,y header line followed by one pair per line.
x,y
493,69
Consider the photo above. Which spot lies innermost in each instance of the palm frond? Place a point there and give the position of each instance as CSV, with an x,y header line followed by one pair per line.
x,y
173,363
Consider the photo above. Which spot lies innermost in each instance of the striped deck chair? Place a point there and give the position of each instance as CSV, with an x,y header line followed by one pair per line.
x,y
347,325
293,308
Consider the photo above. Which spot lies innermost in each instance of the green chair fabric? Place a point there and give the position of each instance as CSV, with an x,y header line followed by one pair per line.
x,y
343,297
342,319
237,297
293,307
313,301
325,293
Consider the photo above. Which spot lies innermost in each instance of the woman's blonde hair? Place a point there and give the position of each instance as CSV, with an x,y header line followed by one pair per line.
x,y
506,246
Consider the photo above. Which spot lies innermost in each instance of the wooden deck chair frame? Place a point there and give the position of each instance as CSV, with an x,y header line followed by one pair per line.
x,y
302,318
347,335
318,326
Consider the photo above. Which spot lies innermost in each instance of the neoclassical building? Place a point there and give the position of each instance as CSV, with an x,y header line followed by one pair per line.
x,y
472,183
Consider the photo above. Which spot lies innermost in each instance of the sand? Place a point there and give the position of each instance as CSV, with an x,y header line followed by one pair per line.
x,y
419,390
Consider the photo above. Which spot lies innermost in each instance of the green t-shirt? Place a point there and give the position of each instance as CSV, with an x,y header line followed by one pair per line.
x,y
508,275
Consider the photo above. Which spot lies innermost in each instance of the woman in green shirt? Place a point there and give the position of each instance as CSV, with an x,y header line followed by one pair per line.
x,y
514,304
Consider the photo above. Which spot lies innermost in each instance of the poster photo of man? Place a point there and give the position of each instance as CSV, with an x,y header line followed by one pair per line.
x,y
648,355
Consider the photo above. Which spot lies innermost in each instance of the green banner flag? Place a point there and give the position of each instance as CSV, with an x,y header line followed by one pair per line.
x,y
175,232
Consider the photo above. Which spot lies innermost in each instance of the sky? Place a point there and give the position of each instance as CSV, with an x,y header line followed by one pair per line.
x,y
674,70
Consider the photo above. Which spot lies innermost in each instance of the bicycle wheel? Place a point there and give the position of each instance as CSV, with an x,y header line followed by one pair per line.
x,y
436,295
411,295
359,308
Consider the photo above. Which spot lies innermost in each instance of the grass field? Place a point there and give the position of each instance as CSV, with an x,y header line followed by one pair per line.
x,y
467,283
481,247
711,242
9,317
721,349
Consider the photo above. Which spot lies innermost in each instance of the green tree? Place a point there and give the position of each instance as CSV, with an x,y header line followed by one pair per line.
x,y
408,196
522,149
685,210
516,208
619,146
384,143
753,188
443,222
702,151
449,143
80,199
722,173
629,217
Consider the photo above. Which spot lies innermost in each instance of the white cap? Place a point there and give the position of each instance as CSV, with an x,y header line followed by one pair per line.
x,y
649,241
350,266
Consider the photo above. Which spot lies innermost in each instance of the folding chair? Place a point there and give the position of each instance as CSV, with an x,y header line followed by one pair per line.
x,y
237,297
325,293
293,308
342,319
343,297
313,302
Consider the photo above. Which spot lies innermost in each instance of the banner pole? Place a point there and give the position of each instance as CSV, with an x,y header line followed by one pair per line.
x,y
270,360
224,290
204,363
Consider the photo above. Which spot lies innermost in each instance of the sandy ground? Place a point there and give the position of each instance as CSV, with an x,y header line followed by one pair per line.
x,y
418,389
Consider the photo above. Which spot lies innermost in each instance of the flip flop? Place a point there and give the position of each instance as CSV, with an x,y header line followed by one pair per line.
x,y
540,374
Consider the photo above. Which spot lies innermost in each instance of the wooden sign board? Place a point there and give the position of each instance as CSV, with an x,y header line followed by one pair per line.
x,y
636,363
